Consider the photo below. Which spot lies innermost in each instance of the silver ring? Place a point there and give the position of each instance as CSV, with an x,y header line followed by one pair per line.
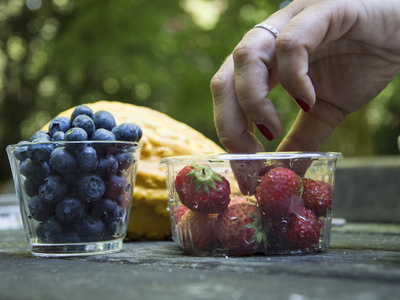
x,y
270,28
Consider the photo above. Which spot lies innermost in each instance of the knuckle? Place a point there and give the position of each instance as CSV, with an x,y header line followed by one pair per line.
x,y
286,42
243,52
218,82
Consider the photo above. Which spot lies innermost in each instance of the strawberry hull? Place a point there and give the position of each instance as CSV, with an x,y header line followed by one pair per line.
x,y
278,203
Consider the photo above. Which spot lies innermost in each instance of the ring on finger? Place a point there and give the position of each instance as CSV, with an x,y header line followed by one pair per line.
x,y
268,27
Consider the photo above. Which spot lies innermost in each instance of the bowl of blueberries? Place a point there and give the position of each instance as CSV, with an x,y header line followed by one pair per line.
x,y
75,182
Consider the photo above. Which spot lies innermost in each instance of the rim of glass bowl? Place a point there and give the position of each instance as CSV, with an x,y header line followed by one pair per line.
x,y
252,156
60,143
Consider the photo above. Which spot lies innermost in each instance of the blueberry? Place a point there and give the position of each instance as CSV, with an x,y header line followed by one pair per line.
x,y
102,134
39,150
70,236
39,210
111,230
108,166
104,119
90,187
125,160
70,209
31,188
76,134
62,161
128,132
87,159
108,210
53,189
58,136
21,150
106,136
81,110
53,230
35,171
70,178
41,134
120,199
59,123
90,228
116,185
85,122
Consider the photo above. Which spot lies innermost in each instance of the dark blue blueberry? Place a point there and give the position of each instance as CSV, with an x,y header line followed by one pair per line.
x,y
103,135
90,187
70,209
35,171
70,178
111,230
128,132
70,236
81,110
53,230
104,119
39,210
108,166
76,134
62,161
108,210
53,189
125,160
21,150
85,122
41,134
39,150
58,136
59,124
31,188
120,199
116,186
87,159
90,228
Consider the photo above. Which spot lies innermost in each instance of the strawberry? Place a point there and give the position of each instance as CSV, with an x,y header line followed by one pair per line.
x,y
302,230
279,192
317,195
238,199
201,189
196,231
179,211
240,229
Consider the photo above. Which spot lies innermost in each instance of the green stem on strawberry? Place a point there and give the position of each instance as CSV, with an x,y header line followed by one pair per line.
x,y
301,189
204,176
260,232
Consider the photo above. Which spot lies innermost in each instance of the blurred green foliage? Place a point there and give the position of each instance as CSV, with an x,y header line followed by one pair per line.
x,y
55,54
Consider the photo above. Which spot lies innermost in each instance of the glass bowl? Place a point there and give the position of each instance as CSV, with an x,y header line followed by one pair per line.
x,y
247,204
74,197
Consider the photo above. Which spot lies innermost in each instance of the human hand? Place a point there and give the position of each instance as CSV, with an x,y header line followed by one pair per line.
x,y
333,56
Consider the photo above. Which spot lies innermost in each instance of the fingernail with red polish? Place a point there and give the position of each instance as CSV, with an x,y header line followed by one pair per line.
x,y
265,132
303,105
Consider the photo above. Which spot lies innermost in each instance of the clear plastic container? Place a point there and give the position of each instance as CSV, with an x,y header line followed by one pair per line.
x,y
74,197
247,204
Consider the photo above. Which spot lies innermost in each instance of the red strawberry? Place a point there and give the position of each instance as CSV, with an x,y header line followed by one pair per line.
x,y
279,192
201,189
302,230
196,231
238,199
240,229
317,195
179,211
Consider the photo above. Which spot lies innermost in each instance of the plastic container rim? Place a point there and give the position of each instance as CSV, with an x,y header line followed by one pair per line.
x,y
60,143
252,156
